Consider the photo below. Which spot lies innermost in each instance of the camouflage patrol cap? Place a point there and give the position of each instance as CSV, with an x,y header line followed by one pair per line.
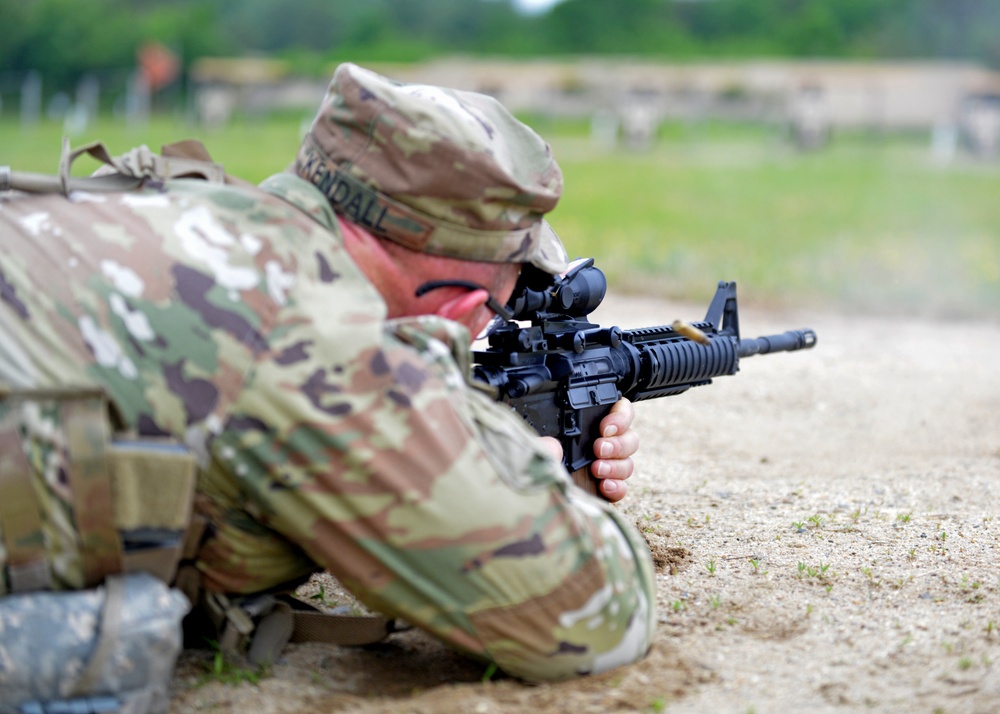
x,y
440,171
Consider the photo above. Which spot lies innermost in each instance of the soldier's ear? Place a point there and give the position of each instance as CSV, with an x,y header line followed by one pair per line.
x,y
463,307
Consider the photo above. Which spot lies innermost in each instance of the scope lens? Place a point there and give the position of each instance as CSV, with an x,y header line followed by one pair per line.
x,y
583,292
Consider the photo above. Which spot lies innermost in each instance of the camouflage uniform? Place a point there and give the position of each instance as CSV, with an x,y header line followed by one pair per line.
x,y
329,437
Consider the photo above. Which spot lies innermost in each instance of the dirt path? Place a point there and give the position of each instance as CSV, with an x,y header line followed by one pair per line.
x,y
827,524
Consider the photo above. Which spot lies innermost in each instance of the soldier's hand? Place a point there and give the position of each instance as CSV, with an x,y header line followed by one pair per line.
x,y
614,451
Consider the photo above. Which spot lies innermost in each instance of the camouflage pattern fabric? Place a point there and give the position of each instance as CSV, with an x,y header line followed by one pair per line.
x,y
328,436
48,643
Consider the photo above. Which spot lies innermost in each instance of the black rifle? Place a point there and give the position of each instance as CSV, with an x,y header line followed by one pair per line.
x,y
563,373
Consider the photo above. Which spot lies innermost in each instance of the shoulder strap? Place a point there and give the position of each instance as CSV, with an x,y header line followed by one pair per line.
x,y
90,481
108,635
27,560
85,413
183,159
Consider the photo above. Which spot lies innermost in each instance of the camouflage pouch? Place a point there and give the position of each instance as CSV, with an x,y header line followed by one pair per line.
x,y
79,500
153,484
103,516
106,649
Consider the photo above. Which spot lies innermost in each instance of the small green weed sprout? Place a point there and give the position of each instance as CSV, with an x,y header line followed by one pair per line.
x,y
820,574
225,671
658,705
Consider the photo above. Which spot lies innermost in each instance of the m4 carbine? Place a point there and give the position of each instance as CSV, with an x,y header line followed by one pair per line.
x,y
563,373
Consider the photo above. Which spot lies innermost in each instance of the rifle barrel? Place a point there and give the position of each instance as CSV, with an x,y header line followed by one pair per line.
x,y
785,342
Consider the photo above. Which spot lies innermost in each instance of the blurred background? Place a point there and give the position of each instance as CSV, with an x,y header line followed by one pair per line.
x,y
825,154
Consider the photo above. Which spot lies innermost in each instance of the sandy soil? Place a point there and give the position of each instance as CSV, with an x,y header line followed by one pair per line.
x,y
826,526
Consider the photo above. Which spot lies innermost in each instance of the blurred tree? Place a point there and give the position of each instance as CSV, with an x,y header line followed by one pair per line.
x,y
64,39
957,29
256,26
597,26
812,30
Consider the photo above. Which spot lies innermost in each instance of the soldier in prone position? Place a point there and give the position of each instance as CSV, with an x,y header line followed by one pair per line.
x,y
276,331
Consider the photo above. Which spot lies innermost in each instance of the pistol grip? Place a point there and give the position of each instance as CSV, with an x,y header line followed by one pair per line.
x,y
582,478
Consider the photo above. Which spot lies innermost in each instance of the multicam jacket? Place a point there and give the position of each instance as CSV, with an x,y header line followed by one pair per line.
x,y
328,436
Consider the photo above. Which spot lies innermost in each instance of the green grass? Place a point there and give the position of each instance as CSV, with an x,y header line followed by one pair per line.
x,y
865,225
858,226
252,150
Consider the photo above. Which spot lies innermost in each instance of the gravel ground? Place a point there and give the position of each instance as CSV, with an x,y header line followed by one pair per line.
x,y
825,525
